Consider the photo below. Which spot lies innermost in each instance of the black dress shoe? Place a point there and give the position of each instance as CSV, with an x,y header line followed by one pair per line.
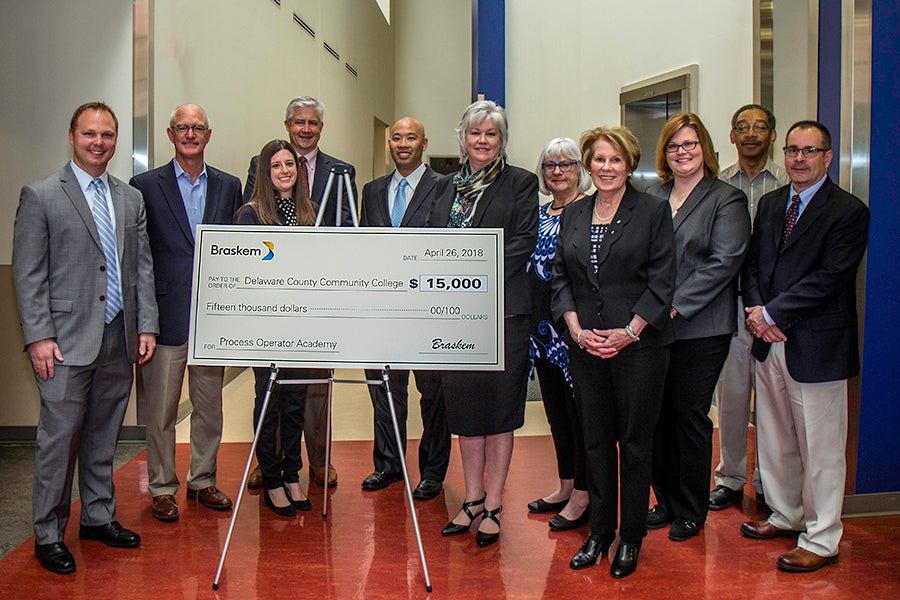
x,y
560,523
591,550
55,557
304,504
456,529
626,560
380,480
542,506
284,511
112,534
682,530
722,497
486,539
427,489
657,517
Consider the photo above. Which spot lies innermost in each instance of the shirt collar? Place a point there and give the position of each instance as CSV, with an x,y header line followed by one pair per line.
x,y
179,172
807,194
412,179
84,178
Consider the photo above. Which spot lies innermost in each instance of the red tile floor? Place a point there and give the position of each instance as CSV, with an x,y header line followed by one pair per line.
x,y
366,548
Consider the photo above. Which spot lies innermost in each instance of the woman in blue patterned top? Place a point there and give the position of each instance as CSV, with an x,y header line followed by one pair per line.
x,y
561,175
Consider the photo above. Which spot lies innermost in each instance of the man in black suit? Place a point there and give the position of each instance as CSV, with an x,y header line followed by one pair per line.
x,y
178,196
800,293
304,119
403,199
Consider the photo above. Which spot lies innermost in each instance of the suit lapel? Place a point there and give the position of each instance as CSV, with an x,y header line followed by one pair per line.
x,y
382,201
75,194
487,196
172,194
581,233
213,195
323,168
777,214
426,183
692,201
810,214
118,200
617,225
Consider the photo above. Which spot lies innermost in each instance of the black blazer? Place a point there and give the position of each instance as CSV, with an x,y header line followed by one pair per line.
x,y
637,267
510,202
324,163
375,212
712,232
808,287
172,241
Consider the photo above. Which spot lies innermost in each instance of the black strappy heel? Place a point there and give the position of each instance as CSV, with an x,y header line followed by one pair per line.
x,y
486,539
454,529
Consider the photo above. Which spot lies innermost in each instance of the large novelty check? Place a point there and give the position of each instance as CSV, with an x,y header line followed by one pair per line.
x,y
341,298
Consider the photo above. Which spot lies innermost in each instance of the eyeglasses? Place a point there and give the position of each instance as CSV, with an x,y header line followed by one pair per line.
x,y
565,167
808,152
198,129
760,128
672,147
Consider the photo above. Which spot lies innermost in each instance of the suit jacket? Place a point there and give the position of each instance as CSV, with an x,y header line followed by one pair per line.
x,y
60,270
510,202
324,164
808,286
172,241
375,200
636,272
712,232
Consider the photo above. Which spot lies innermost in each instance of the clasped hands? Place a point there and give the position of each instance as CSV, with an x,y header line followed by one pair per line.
x,y
758,326
604,343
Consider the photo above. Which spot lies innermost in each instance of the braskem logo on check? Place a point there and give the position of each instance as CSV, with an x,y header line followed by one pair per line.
x,y
216,250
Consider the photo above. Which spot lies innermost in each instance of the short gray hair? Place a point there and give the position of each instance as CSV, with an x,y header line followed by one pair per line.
x,y
477,113
566,148
172,116
304,102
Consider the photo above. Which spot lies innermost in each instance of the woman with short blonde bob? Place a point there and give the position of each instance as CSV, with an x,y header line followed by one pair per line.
x,y
612,286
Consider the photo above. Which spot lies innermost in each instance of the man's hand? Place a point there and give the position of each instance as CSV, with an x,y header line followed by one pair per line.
x,y
42,354
147,347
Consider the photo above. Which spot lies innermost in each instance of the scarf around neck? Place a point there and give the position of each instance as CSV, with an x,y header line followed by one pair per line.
x,y
469,187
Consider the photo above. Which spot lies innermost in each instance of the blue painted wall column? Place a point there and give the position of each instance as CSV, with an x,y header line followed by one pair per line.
x,y
829,77
489,50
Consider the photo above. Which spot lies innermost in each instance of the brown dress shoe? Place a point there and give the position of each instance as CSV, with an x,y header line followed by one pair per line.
x,y
164,508
254,481
763,530
210,497
801,560
317,474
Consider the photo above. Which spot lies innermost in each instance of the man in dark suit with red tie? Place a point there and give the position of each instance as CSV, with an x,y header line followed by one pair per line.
x,y
403,199
180,195
800,293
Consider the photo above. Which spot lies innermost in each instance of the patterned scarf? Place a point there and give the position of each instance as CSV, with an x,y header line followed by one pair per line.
x,y
288,211
469,187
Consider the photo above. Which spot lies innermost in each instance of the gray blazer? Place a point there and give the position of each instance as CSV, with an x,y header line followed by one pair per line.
x,y
60,271
712,233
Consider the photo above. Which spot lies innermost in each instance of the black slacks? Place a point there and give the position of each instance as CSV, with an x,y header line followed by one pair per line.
x,y
565,427
284,419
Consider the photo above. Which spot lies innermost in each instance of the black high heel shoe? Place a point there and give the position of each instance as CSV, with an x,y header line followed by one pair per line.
x,y
560,523
591,550
284,511
454,529
626,560
486,539
304,504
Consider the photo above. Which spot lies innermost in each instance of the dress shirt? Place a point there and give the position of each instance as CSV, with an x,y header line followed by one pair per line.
x,y
193,194
412,179
84,181
769,179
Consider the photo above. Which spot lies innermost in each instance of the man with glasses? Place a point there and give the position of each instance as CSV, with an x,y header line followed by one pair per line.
x,y
180,195
755,174
800,293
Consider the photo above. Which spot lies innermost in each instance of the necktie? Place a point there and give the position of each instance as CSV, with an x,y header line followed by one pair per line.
x,y
790,220
289,210
304,176
399,205
108,243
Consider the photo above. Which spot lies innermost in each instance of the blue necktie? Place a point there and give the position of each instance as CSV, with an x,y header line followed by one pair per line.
x,y
108,242
399,205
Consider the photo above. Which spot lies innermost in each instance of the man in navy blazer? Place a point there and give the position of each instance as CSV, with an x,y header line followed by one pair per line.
x,y
304,119
403,199
800,293
178,196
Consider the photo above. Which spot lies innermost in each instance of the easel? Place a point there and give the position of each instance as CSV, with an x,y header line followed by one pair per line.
x,y
344,190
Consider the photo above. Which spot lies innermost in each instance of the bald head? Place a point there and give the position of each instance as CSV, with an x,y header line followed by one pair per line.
x,y
407,143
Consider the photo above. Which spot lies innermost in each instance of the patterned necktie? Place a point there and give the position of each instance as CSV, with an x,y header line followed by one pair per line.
x,y
108,243
288,210
304,176
399,206
790,220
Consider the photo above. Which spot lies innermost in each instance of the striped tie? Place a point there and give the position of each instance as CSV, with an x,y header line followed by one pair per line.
x,y
108,242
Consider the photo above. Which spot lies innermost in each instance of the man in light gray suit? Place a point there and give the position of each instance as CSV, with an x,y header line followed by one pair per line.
x,y
84,287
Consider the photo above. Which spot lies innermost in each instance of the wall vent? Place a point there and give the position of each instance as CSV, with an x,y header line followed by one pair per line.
x,y
304,26
331,51
277,2
351,70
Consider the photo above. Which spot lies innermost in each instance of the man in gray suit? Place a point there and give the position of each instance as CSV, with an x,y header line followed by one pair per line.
x,y
84,287
403,199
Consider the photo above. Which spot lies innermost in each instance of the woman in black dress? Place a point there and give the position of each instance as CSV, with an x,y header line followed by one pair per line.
x,y
280,197
484,407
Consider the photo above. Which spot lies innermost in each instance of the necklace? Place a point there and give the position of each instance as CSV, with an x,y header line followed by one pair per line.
x,y
553,205
607,217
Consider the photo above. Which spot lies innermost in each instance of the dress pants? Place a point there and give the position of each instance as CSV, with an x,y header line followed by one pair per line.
x,y
682,444
434,447
802,433
734,393
618,402
163,379
315,417
284,416
565,428
82,408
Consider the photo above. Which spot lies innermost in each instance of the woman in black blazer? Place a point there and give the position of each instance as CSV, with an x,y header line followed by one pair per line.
x,y
279,197
484,407
712,232
612,285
